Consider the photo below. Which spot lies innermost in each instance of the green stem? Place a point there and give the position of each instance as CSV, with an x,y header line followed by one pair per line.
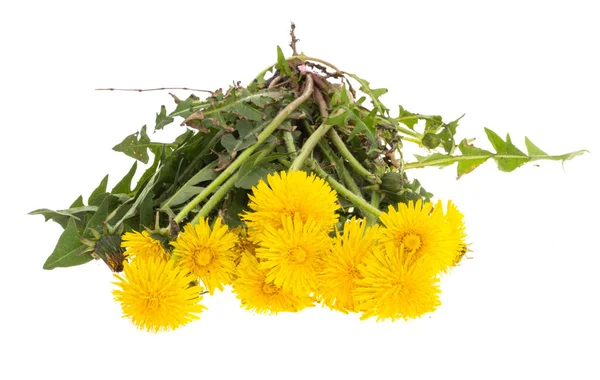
x,y
269,129
410,139
375,198
322,144
309,145
361,170
228,185
338,162
345,174
342,190
289,143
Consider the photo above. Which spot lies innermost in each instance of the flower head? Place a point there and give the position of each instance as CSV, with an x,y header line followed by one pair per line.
x,y
206,252
424,230
142,244
337,280
290,194
157,295
260,295
292,255
393,285
454,218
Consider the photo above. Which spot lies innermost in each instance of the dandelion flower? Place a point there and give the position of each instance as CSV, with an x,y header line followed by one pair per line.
x,y
206,253
287,194
457,228
424,230
259,295
142,244
292,255
395,286
337,280
156,295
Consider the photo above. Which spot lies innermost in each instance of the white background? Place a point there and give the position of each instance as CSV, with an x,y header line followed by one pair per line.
x,y
525,306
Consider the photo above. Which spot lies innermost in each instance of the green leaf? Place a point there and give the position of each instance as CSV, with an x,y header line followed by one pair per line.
x,y
435,159
467,166
189,189
506,148
124,185
62,216
162,119
407,118
536,153
100,190
533,150
374,94
150,171
68,250
232,144
251,177
134,147
430,140
142,194
99,217
282,64
187,107
147,212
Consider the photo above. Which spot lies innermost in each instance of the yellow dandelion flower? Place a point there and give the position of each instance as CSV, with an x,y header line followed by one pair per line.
x,y
393,286
337,280
455,219
156,295
292,255
206,252
143,245
259,295
288,194
424,230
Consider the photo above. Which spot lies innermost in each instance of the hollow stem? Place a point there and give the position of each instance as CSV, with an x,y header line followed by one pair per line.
x,y
343,191
227,186
309,145
348,156
289,143
269,129
375,198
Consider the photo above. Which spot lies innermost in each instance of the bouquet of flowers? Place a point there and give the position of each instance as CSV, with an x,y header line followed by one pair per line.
x,y
294,190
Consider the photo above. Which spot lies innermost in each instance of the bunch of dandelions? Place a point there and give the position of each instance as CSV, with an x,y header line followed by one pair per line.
x,y
291,254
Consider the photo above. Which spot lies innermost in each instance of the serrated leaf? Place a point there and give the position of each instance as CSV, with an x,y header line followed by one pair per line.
x,y
232,144
142,194
134,147
282,64
246,111
101,189
67,252
124,185
436,159
479,156
187,107
162,119
506,148
147,212
430,140
251,177
62,216
374,94
98,218
189,189
533,150
407,118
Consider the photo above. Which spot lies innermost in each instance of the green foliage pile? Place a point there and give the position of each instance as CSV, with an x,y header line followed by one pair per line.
x,y
300,113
